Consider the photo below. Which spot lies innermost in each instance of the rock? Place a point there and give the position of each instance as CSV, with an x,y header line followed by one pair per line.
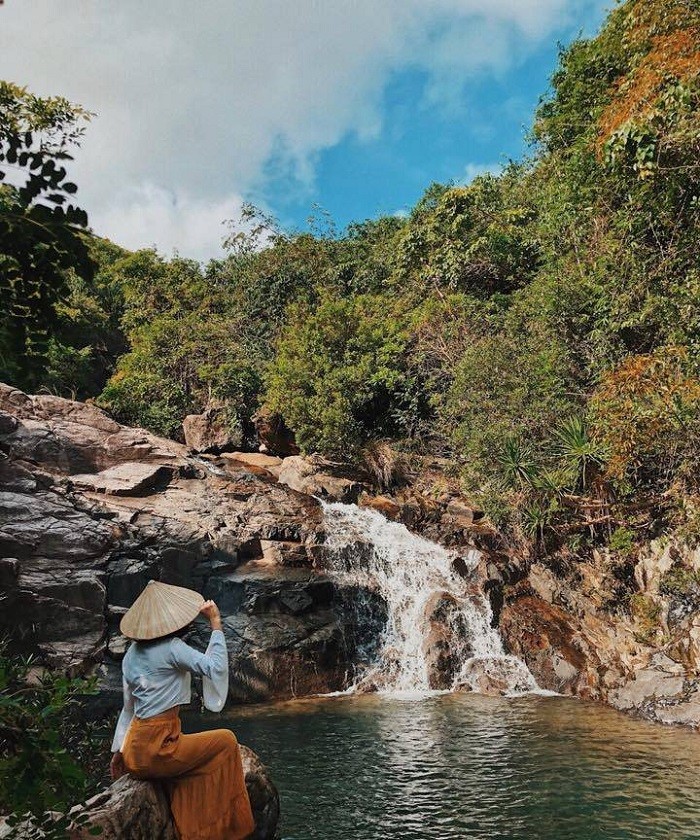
x,y
284,553
8,423
210,431
316,476
68,437
443,642
495,677
687,712
648,685
129,808
85,524
274,436
543,636
257,462
130,479
383,504
136,810
118,646
264,799
462,514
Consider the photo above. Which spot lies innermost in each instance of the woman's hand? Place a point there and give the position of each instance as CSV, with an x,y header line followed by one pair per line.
x,y
211,611
117,768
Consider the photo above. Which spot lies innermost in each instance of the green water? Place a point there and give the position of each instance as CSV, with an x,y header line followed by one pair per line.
x,y
541,768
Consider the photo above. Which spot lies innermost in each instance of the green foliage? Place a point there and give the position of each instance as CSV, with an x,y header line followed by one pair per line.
x,y
41,231
339,376
576,449
507,386
621,540
647,615
43,744
680,581
470,239
538,328
517,463
186,347
646,413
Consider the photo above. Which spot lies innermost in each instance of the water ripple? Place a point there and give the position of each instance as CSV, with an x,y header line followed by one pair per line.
x,y
465,766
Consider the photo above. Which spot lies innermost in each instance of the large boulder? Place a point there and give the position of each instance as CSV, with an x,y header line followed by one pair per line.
x,y
316,476
274,435
69,437
210,431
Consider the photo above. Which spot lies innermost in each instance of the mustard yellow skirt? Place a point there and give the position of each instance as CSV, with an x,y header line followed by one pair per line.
x,y
203,775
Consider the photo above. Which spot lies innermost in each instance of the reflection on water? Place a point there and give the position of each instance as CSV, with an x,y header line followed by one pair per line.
x,y
468,766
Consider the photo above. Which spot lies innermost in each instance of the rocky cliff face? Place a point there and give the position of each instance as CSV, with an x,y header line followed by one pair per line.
x,y
623,630
91,510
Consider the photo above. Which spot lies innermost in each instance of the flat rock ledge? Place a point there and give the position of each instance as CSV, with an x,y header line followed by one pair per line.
x,y
136,810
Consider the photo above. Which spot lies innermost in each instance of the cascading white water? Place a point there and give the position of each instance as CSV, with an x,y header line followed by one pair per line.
x,y
438,619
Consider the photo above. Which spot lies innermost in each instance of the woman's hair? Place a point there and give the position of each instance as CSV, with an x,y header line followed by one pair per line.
x,y
177,634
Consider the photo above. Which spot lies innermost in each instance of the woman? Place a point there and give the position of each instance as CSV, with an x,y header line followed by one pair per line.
x,y
202,773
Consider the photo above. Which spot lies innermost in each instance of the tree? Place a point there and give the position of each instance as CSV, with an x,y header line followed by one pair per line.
x,y
42,234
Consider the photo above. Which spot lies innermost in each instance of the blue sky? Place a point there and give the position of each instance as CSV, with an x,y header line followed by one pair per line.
x,y
423,141
353,105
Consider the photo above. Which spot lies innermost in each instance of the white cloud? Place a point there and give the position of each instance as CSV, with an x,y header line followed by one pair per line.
x,y
194,98
173,221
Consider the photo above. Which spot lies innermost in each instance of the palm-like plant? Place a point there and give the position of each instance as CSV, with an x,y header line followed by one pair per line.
x,y
534,518
516,460
576,448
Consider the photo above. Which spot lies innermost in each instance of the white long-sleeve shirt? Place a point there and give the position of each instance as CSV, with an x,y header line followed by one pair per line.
x,y
157,676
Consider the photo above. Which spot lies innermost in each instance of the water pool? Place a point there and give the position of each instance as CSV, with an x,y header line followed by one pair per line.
x,y
469,766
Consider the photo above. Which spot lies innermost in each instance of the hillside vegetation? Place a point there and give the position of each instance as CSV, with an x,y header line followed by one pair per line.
x,y
539,329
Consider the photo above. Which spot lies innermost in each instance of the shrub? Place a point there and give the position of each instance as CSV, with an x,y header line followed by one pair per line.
x,y
44,744
621,540
646,413
339,377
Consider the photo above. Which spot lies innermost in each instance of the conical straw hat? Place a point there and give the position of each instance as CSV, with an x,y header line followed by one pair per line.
x,y
159,610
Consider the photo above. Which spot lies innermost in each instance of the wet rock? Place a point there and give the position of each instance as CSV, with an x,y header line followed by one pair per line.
x,y
443,645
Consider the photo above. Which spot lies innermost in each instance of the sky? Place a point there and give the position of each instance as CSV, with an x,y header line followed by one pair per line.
x,y
350,108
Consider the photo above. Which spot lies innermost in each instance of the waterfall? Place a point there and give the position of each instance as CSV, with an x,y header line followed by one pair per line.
x,y
438,633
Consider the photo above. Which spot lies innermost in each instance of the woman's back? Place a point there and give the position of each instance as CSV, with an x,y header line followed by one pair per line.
x,y
155,681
